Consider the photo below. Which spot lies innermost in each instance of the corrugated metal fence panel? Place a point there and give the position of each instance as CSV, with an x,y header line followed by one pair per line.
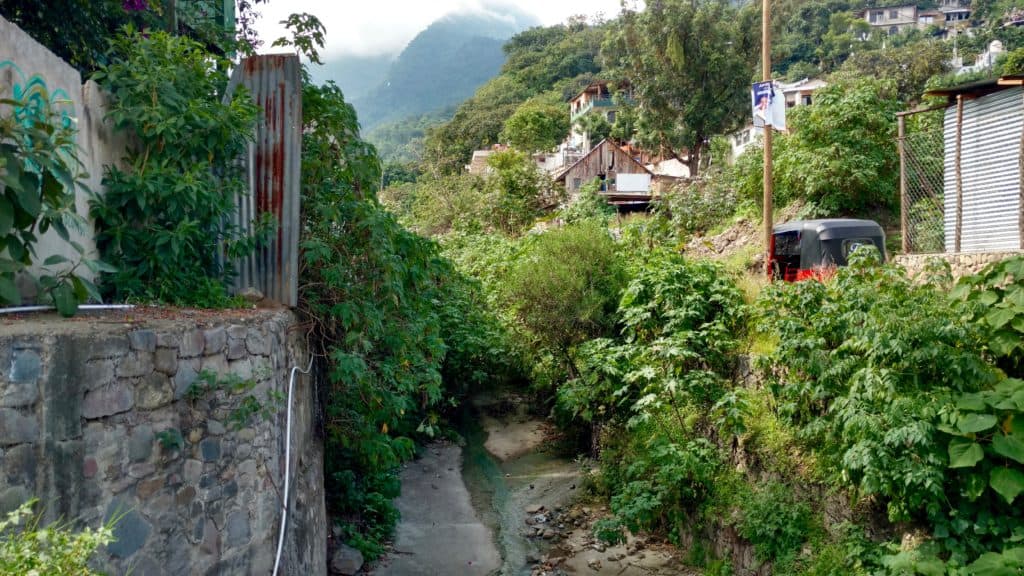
x,y
990,173
273,169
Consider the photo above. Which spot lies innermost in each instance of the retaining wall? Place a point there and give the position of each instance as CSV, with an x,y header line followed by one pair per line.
x,y
106,416
961,264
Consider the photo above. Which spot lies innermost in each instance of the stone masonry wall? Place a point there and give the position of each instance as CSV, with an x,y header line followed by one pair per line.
x,y
962,264
107,416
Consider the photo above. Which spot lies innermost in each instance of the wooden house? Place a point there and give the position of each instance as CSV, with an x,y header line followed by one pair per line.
x,y
622,179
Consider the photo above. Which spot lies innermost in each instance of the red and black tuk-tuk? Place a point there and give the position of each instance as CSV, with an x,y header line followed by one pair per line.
x,y
809,248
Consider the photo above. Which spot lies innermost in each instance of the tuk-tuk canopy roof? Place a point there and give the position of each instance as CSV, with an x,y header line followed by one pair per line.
x,y
827,229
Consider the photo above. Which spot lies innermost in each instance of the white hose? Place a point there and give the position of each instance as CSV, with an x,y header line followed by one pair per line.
x,y
287,463
85,307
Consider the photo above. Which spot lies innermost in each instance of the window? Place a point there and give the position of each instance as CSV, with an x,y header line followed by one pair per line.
x,y
894,14
611,116
806,99
894,30
877,15
576,183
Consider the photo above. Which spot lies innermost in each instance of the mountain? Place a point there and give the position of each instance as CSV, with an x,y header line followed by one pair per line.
x,y
442,66
356,75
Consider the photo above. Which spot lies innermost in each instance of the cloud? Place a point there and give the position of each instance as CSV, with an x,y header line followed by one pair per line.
x,y
386,26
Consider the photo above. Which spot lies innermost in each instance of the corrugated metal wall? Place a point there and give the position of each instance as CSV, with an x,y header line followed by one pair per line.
x,y
273,167
990,167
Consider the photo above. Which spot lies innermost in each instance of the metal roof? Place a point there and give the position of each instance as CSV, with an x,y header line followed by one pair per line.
x,y
818,226
979,88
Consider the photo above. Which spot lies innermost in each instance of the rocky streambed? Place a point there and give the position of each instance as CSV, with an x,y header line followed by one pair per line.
x,y
504,502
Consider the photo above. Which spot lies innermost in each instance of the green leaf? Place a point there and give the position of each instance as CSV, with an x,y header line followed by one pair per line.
x,y
64,299
1009,446
974,423
9,293
54,260
989,564
999,317
988,298
1008,482
6,216
971,402
964,453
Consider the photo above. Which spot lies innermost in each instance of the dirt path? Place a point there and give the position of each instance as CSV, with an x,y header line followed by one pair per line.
x,y
439,532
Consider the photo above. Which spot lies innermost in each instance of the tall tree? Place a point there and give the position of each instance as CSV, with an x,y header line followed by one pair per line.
x,y
690,63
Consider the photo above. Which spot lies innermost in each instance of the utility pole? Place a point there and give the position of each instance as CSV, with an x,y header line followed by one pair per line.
x,y
766,75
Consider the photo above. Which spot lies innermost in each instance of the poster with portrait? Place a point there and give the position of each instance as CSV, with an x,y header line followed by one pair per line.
x,y
768,105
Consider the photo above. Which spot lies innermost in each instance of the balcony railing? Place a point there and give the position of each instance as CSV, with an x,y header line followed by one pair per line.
x,y
595,103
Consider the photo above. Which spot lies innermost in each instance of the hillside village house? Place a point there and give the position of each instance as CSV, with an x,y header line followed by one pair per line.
x,y
896,19
623,180
594,99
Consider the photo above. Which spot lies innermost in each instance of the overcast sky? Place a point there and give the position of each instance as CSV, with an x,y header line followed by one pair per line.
x,y
379,26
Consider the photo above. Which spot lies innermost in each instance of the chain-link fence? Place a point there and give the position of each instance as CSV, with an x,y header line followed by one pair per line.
x,y
922,173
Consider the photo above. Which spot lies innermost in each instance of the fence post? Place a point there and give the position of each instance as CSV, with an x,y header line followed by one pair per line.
x,y
959,173
904,203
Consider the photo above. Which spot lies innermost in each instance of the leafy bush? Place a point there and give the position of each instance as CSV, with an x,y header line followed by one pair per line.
x,y
588,205
996,296
889,385
775,522
28,548
39,171
564,288
699,206
392,318
165,218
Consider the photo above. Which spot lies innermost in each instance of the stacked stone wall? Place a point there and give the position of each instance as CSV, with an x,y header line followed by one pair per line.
x,y
962,264
176,427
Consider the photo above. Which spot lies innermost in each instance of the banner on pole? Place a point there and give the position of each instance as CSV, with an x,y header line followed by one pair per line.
x,y
768,105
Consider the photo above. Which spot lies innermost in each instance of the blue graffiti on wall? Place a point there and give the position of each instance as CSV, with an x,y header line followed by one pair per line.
x,y
35,100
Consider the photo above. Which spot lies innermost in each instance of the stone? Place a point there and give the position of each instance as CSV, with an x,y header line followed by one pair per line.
x,y
256,343
108,347
98,373
18,394
20,465
131,530
241,368
142,340
215,428
165,361
146,565
216,339
90,467
236,349
185,496
25,366
195,436
237,528
154,391
246,435
251,295
210,543
11,498
135,365
192,344
231,490
140,444
147,488
108,400
17,428
346,560
534,508
210,449
193,471
141,470
216,364
184,377
168,340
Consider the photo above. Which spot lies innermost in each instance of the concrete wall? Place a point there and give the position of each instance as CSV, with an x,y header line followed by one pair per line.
x,y
30,71
962,264
97,419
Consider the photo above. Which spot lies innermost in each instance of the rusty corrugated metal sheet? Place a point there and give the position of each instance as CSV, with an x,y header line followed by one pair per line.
x,y
273,168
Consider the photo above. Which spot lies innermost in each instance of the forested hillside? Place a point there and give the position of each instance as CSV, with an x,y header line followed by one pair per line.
x,y
440,67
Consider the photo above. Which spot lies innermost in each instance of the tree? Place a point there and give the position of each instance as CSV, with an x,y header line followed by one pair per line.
x,y
689,63
594,126
539,124
909,67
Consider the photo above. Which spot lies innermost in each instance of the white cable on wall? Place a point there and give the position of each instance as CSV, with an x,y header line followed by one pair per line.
x,y
288,463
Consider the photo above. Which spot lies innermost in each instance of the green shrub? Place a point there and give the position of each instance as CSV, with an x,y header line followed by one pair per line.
x,y
588,205
165,217
775,522
28,548
40,173
888,383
